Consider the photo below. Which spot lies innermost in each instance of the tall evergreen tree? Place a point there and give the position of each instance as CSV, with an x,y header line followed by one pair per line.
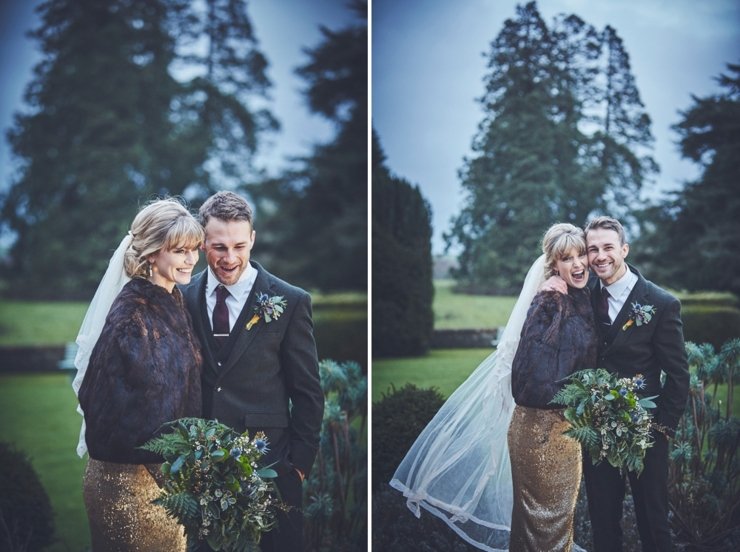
x,y
403,291
562,137
315,218
96,140
510,183
225,94
690,240
624,137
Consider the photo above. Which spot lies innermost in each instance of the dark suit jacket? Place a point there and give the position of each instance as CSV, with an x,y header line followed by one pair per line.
x,y
266,378
649,349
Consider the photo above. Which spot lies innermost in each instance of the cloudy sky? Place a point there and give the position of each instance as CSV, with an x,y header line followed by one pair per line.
x,y
284,28
429,64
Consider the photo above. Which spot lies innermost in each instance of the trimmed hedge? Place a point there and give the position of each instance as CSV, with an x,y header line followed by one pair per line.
x,y
710,324
398,418
25,509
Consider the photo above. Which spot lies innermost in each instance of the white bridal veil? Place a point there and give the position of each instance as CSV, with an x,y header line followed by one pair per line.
x,y
113,280
458,469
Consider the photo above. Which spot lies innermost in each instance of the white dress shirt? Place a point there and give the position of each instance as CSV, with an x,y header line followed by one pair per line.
x,y
618,292
239,294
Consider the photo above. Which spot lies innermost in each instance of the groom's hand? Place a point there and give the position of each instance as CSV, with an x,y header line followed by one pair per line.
x,y
554,283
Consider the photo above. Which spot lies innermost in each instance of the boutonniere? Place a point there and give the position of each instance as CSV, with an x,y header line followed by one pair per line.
x,y
640,315
268,308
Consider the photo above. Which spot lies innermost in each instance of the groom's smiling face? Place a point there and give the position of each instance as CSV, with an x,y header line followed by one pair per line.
x,y
227,247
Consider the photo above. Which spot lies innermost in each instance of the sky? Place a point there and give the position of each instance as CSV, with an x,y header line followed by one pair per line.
x,y
429,61
284,29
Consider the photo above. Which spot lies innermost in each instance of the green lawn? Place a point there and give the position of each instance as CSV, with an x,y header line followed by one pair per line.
x,y
455,311
29,323
445,369
39,418
40,323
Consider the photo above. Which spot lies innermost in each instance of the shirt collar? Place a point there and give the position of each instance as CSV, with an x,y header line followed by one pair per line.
x,y
242,287
624,284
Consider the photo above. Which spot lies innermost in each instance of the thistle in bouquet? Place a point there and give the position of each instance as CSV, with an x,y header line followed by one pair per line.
x,y
608,418
213,484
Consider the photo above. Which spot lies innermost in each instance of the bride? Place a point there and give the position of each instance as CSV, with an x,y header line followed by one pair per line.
x,y
460,467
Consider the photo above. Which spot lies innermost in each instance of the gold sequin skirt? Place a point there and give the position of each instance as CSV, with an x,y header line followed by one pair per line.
x,y
546,474
122,518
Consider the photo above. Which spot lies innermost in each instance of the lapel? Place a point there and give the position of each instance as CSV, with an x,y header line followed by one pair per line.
x,y
245,338
201,324
616,336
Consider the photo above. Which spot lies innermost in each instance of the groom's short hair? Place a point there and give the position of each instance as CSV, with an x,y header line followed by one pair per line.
x,y
607,223
225,206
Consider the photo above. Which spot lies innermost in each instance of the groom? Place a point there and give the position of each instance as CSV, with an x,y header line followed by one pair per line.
x,y
628,346
260,371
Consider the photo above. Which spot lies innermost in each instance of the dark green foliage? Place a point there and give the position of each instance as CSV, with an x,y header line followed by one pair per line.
x,y
403,318
710,324
395,529
26,518
697,225
217,106
312,221
335,496
398,418
704,472
108,128
533,163
87,158
180,506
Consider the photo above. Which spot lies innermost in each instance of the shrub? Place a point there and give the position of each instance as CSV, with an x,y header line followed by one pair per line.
x,y
26,518
398,418
704,482
710,324
335,496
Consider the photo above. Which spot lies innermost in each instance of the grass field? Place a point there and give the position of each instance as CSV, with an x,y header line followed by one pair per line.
x,y
39,323
445,369
39,418
454,311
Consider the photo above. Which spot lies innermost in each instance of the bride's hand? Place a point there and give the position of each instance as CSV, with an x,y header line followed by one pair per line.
x,y
554,283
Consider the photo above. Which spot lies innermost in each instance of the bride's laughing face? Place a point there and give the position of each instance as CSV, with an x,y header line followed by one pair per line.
x,y
573,268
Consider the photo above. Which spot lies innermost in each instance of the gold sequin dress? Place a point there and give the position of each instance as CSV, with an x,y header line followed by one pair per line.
x,y
546,473
558,339
122,518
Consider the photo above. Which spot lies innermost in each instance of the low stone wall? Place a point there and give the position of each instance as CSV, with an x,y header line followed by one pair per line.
x,y
31,359
465,339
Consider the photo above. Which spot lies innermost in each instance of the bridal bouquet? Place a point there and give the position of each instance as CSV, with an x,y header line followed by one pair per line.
x,y
608,418
213,485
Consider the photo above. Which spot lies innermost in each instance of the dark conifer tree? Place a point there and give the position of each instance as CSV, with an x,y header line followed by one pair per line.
x,y
321,206
94,142
403,318
696,229
225,96
564,135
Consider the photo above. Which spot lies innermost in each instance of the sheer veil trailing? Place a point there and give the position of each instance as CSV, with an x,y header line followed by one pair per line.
x,y
113,280
458,469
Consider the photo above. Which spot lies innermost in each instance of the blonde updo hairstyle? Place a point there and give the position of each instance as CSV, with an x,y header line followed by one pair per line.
x,y
558,240
162,225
